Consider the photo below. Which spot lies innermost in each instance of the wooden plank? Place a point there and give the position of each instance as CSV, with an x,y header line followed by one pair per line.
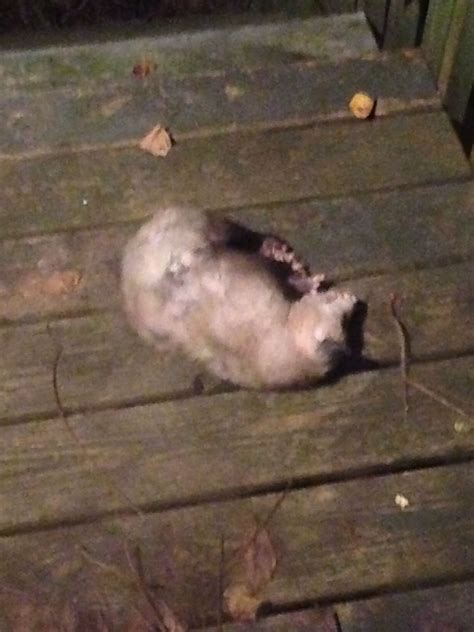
x,y
459,14
102,187
402,23
40,120
49,476
336,6
443,608
191,51
461,80
376,12
343,237
104,364
436,31
331,541
311,620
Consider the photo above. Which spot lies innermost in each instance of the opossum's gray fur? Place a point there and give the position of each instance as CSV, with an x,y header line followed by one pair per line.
x,y
183,284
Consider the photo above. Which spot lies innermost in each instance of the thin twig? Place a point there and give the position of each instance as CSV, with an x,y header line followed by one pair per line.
x,y
130,581
220,588
62,414
135,564
109,569
262,526
440,399
404,350
159,607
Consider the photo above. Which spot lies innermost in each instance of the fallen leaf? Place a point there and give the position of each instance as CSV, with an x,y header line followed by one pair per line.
x,y
233,92
362,105
169,621
461,426
402,501
240,604
143,69
259,560
254,566
58,283
157,142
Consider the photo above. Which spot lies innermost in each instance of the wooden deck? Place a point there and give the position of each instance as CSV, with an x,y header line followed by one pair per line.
x,y
152,452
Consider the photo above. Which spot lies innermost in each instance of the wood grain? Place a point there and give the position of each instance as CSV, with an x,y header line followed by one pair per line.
x,y
444,608
97,188
332,540
123,112
219,445
104,364
182,50
343,237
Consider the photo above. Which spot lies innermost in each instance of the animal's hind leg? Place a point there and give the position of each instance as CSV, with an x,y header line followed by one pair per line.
x,y
300,277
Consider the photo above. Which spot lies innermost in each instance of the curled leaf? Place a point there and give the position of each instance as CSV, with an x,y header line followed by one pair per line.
x,y
259,560
253,569
157,142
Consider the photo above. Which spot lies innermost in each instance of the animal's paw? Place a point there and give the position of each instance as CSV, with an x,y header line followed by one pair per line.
x,y
307,284
342,301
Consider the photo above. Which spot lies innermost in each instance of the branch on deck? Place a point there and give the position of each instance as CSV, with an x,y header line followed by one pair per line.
x,y
404,342
62,414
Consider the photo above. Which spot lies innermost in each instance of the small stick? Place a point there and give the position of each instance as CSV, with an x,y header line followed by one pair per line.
x,y
261,526
220,625
404,350
64,417
440,399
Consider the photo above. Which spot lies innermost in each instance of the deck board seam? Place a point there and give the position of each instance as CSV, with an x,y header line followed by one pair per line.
x,y
460,178
362,275
339,117
241,493
138,402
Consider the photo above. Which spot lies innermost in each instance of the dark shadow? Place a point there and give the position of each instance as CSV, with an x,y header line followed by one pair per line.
x,y
465,129
233,235
424,5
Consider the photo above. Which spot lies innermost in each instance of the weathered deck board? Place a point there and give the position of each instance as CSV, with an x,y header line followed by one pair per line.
x,y
40,120
101,187
343,237
332,540
310,620
104,364
177,452
210,49
445,608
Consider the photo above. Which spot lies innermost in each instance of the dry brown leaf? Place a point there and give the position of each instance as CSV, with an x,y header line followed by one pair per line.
x,y
259,561
137,622
361,105
143,69
56,284
157,142
253,569
240,604
169,621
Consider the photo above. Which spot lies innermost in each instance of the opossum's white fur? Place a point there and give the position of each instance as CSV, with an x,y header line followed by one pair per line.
x,y
224,307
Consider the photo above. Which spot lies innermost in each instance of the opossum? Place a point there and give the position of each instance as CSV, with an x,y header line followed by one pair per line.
x,y
187,282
